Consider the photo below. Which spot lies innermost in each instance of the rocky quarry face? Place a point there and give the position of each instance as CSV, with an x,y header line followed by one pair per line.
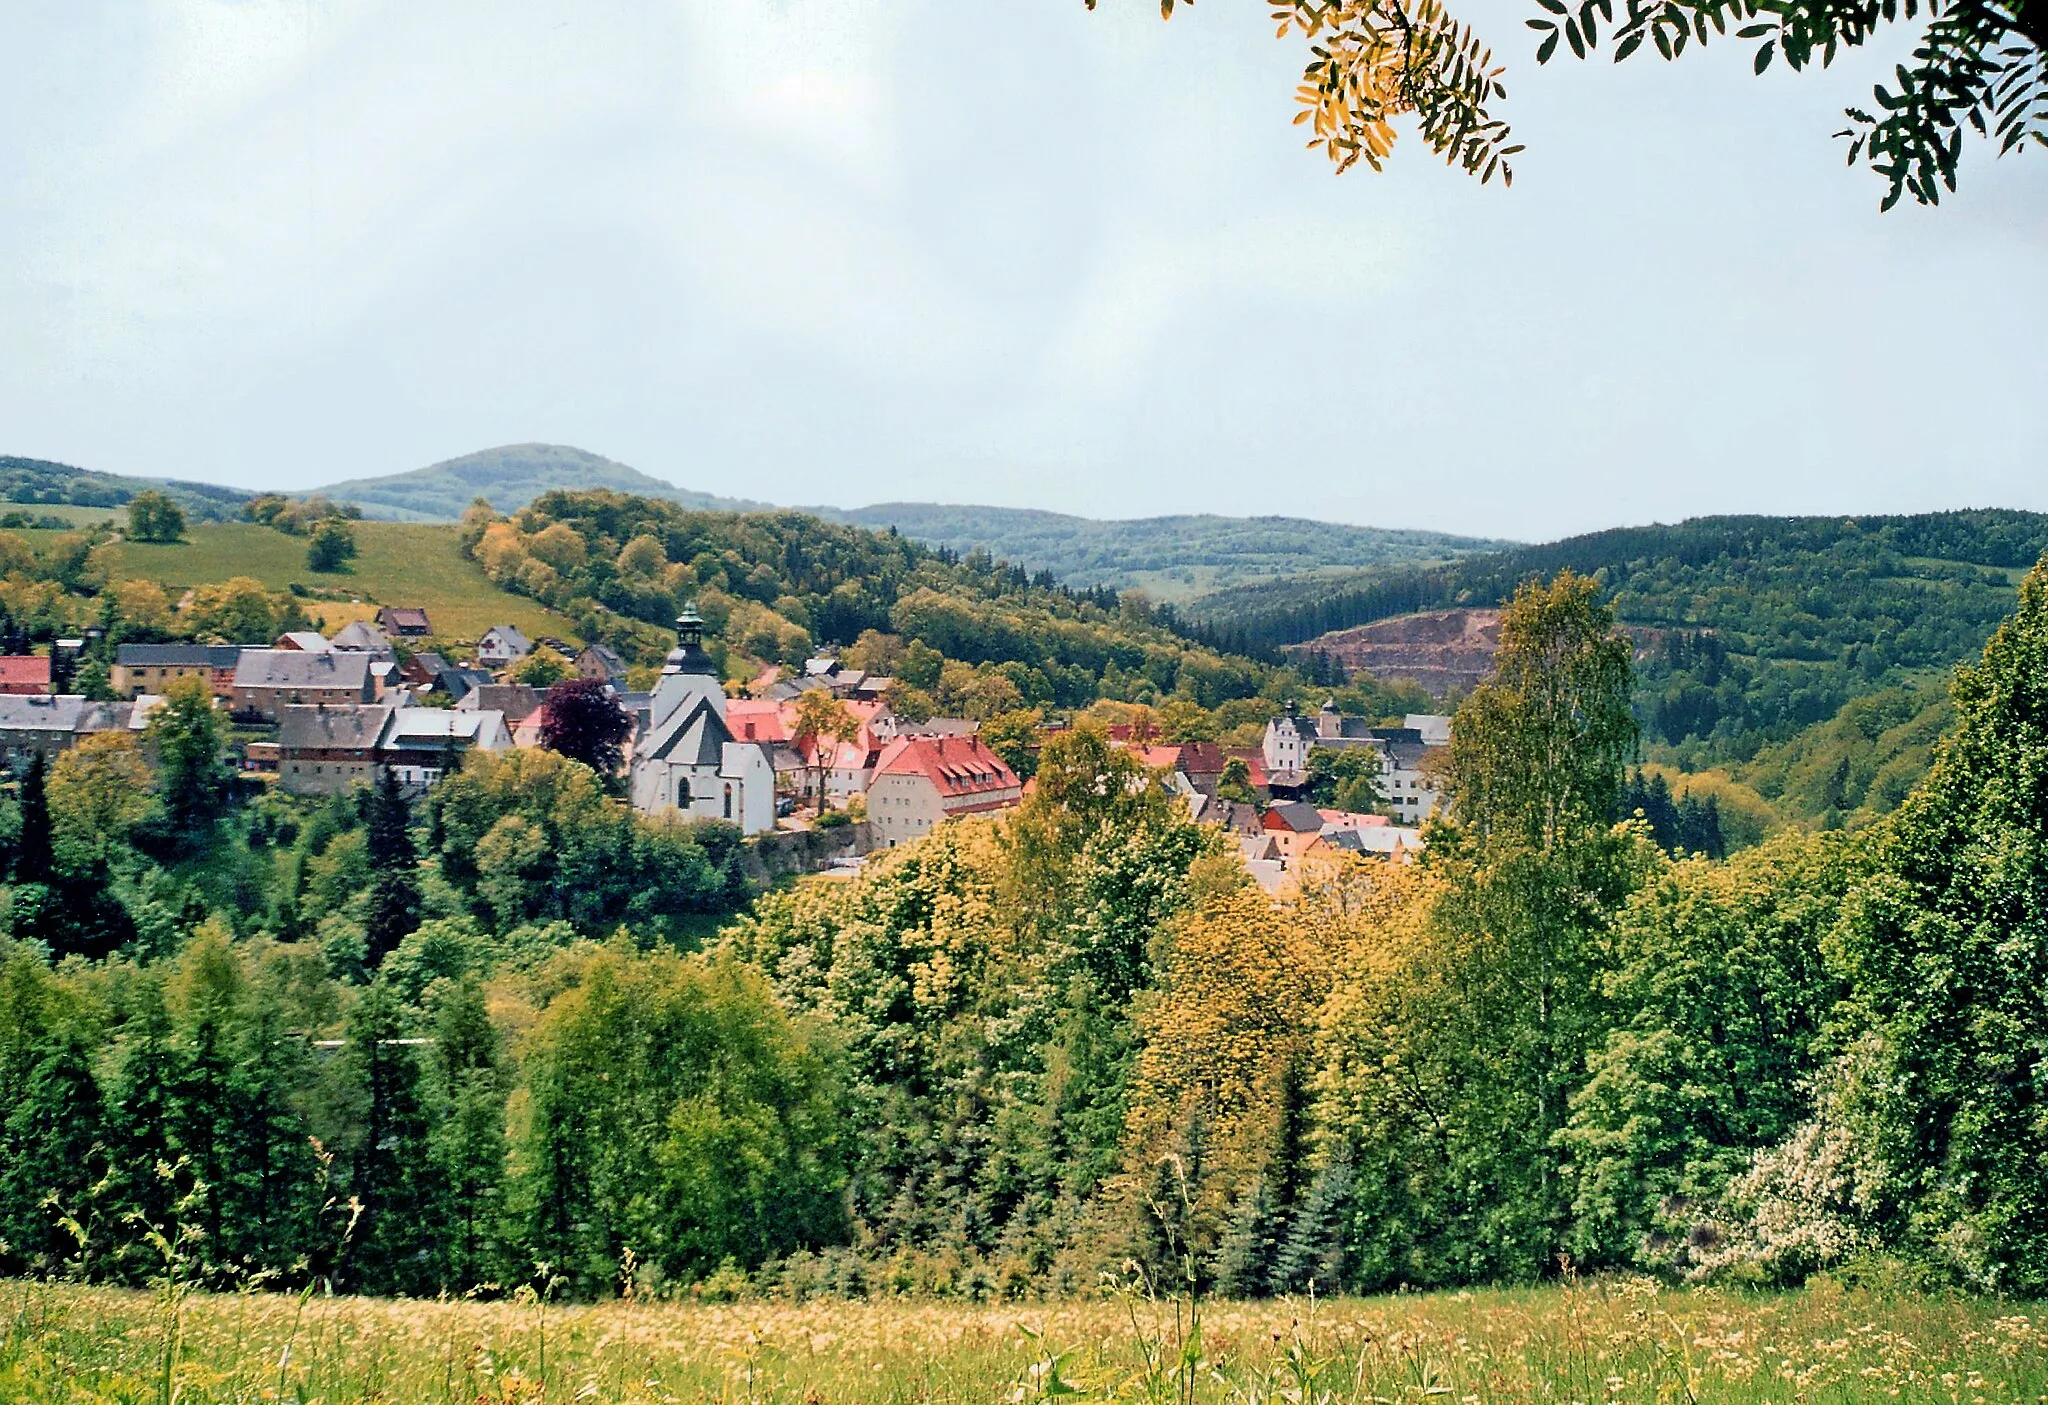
x,y
1440,651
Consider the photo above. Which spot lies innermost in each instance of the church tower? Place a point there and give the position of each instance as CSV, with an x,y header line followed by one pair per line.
x,y
688,675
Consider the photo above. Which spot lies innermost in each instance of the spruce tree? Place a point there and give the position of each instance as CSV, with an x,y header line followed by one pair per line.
x,y
55,1158
140,1092
394,899
391,1171
34,858
469,1136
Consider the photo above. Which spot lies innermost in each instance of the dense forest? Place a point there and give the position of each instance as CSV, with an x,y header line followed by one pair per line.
x,y
1754,627
24,480
1198,552
773,586
1550,1041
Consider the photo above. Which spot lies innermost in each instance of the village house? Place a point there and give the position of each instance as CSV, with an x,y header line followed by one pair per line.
x,y
502,644
51,724
151,668
269,679
919,782
404,622
24,673
601,663
850,765
1294,827
517,701
325,750
457,683
307,641
1407,772
688,760
421,670
420,745
361,636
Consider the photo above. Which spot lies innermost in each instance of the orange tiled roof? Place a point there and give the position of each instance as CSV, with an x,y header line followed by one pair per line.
x,y
957,766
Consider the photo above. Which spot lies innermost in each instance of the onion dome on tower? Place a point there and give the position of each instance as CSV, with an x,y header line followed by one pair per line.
x,y
688,656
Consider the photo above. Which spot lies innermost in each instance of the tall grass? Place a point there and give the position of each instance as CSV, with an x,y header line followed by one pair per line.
x,y
1616,1341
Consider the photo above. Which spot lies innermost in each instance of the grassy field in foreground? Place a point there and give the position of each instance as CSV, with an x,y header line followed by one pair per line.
x,y
397,563
1595,1342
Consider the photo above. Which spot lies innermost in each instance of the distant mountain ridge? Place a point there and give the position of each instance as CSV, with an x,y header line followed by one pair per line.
x,y
1172,557
508,477
26,480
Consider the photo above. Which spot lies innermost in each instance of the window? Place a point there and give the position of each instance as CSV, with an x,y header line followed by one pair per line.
x,y
728,802
682,792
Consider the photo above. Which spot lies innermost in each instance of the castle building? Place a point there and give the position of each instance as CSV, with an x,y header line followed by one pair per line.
x,y
687,760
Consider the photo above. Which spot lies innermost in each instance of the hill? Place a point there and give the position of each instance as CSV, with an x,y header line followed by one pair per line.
x,y
509,477
1171,558
41,481
396,564
1749,629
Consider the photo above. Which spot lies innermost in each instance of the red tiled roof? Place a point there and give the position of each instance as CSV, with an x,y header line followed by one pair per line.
x,y
957,766
24,670
757,720
1255,763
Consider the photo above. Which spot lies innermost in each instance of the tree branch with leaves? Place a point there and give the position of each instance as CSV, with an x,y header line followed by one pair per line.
x,y
1980,64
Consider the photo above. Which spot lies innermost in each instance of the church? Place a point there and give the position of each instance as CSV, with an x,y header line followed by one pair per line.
x,y
686,759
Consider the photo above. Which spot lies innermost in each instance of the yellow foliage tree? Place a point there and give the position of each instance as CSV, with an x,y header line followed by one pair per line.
x,y
99,791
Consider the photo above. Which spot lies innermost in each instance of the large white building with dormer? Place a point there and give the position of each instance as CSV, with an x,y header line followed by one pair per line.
x,y
686,760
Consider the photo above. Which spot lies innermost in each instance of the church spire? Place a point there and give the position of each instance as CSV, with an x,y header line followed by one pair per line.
x,y
688,656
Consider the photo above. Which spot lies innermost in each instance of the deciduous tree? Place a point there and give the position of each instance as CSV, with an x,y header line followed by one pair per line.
x,y
1979,63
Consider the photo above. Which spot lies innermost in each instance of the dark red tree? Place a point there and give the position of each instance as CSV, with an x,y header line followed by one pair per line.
x,y
584,722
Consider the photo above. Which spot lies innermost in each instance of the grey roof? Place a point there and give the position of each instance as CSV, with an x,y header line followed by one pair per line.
x,y
518,701
361,635
1300,817
291,668
509,637
939,727
310,640
177,655
437,728
342,727
430,663
42,712
456,682
608,658
693,738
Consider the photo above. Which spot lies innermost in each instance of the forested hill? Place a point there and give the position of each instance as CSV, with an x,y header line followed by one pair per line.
x,y
508,477
24,480
1172,558
774,585
1709,551
1754,627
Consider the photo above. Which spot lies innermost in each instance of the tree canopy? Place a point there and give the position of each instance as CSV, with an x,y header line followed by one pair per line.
x,y
1978,64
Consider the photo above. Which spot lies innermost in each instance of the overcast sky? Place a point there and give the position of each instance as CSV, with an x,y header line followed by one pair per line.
x,y
997,251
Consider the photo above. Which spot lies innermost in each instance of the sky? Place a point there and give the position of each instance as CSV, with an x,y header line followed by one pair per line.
x,y
851,251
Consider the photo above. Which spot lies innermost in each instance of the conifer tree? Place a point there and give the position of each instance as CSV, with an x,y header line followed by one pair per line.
x,y
469,1134
55,1154
141,1088
34,857
394,900
391,1170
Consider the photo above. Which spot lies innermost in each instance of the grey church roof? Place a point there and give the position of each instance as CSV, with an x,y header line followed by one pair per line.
x,y
690,737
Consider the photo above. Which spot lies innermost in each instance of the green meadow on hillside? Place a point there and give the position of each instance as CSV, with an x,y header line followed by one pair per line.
x,y
1620,1341
70,512
397,563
